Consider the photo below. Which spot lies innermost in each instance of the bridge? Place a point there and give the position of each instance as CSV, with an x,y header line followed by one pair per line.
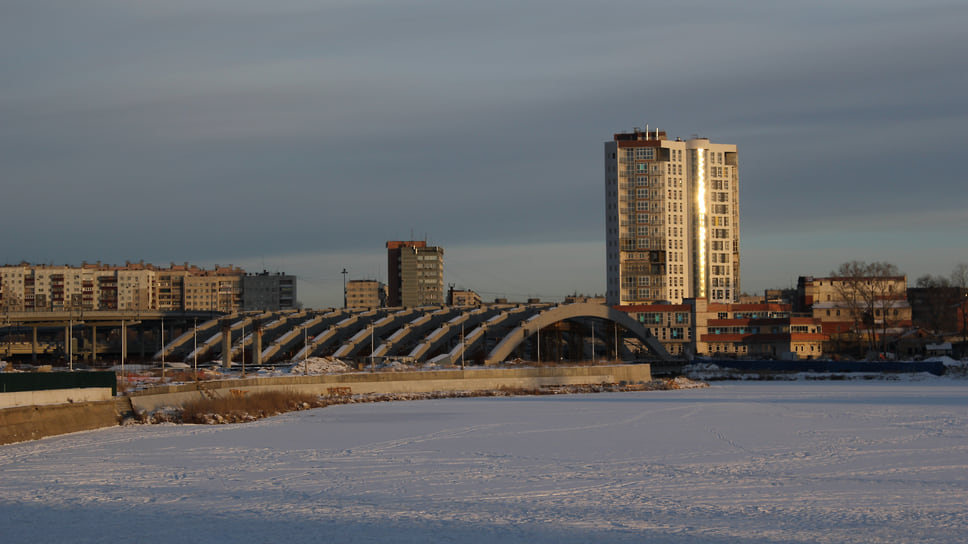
x,y
444,335
439,334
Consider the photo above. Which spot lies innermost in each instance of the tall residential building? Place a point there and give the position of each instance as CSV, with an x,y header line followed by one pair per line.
x,y
671,219
415,274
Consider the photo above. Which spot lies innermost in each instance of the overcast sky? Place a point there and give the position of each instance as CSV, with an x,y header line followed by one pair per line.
x,y
300,135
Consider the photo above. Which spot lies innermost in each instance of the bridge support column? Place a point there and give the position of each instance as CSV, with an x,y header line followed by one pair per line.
x,y
124,342
93,343
33,346
257,342
141,338
226,343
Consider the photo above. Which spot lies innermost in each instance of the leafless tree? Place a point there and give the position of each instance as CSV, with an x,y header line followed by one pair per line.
x,y
937,298
959,279
870,291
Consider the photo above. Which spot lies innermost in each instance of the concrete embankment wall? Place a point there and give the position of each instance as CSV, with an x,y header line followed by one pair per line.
x,y
33,422
22,423
55,396
398,382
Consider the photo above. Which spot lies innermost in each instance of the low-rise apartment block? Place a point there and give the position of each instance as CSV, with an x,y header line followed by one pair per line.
x,y
856,306
366,294
268,292
697,327
463,297
135,286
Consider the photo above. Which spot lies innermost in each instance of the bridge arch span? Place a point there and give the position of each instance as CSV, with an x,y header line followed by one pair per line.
x,y
535,323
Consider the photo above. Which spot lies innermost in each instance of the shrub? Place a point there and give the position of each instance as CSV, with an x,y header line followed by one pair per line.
x,y
248,406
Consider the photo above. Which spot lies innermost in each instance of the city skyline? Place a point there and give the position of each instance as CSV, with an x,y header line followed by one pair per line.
x,y
273,137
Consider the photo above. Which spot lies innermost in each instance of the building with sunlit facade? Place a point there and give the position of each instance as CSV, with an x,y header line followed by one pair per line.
x,y
671,219
415,274
26,287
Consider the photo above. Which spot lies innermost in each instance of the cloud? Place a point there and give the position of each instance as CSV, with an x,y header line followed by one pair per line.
x,y
242,130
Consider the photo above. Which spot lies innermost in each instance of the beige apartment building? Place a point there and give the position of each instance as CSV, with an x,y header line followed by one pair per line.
x,y
134,286
415,274
851,306
671,219
462,297
218,290
365,294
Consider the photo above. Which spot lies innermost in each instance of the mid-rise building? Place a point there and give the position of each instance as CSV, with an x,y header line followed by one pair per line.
x,y
366,294
696,327
268,292
865,306
463,297
415,274
671,219
140,286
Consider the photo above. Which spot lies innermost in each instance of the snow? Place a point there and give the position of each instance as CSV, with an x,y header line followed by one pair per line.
x,y
762,462
320,365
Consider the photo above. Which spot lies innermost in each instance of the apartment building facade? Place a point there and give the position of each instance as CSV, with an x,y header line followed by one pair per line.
x,y
463,297
672,219
134,286
697,327
856,306
366,294
415,274
268,292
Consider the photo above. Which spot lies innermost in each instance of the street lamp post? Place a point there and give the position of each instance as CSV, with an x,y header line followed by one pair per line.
x,y
195,348
242,349
344,287
163,349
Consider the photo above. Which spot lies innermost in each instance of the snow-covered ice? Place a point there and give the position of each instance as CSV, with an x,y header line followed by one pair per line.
x,y
761,462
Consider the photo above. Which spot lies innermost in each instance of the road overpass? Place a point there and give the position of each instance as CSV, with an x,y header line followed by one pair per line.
x,y
487,334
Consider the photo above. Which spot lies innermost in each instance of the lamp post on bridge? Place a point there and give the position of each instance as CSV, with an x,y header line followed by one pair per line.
x,y
344,287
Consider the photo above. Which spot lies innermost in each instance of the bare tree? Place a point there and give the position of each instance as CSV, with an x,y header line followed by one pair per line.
x,y
936,301
871,292
959,279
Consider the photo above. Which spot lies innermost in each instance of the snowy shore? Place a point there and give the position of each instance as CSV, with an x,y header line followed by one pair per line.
x,y
737,462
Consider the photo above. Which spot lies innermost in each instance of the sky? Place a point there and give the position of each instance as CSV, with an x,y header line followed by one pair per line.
x,y
299,136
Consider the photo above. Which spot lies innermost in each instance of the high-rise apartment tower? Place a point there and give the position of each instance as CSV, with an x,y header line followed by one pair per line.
x,y
415,274
671,219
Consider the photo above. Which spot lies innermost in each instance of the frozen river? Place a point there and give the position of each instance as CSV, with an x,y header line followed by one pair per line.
x,y
760,462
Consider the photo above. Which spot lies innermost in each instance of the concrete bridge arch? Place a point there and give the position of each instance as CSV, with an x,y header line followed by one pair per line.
x,y
545,318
